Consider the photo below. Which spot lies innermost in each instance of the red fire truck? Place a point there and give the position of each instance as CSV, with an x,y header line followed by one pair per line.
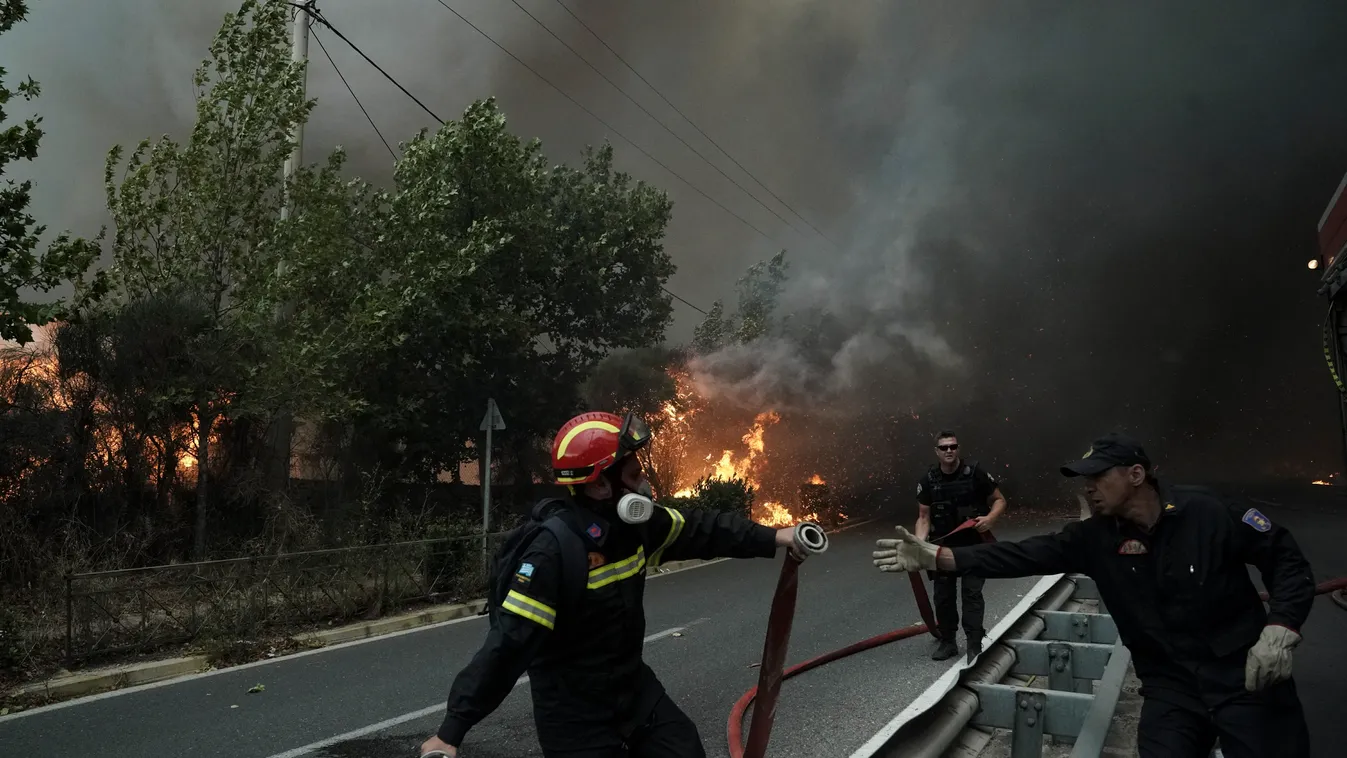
x,y
1333,242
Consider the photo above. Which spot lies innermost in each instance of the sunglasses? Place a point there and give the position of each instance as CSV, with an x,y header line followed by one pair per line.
x,y
948,448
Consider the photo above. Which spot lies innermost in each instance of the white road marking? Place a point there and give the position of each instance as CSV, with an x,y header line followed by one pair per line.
x,y
429,710
315,651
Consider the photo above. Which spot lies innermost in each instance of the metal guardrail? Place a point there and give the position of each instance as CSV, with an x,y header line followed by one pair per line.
x,y
1054,639
1084,664
139,609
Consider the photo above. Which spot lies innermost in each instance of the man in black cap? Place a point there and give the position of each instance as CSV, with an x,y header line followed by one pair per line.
x,y
1170,564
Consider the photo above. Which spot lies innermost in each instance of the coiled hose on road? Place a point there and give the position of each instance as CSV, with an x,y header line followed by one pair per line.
x,y
778,635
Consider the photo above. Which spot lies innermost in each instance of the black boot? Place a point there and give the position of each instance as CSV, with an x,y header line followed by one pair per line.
x,y
944,650
974,647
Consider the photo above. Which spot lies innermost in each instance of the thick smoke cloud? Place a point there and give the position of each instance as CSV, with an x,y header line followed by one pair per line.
x,y
1046,219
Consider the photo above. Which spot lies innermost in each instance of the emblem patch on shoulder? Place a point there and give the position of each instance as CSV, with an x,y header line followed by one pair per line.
x,y
1132,547
967,471
918,488
594,531
525,569
1257,520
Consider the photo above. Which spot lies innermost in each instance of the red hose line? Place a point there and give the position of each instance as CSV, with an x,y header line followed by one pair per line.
x,y
735,726
774,656
734,729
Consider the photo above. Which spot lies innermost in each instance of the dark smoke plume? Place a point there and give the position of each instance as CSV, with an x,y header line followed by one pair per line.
x,y
1050,218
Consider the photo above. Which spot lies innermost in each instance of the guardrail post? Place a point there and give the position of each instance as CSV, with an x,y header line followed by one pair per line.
x,y
1027,738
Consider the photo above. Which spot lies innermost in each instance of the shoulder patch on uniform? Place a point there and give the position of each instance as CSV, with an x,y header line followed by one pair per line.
x,y
918,488
1257,520
525,569
967,470
595,531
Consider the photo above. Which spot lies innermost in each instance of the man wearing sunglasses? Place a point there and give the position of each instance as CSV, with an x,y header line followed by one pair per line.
x,y
959,502
1171,563
593,695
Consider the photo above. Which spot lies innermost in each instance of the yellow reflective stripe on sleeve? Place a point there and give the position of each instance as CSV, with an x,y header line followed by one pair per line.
x,y
675,529
616,572
523,605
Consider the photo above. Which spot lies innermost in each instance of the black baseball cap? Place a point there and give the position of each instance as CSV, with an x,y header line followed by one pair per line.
x,y
1113,449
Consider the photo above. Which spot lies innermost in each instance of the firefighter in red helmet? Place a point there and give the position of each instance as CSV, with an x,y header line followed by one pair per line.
x,y
593,695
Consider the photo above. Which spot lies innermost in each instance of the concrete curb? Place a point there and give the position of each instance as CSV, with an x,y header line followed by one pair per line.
x,y
391,624
128,675
117,677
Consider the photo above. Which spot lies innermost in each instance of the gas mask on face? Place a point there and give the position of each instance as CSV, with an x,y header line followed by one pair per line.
x,y
635,502
635,508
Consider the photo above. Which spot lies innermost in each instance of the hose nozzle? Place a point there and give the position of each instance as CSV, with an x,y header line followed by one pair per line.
x,y
810,539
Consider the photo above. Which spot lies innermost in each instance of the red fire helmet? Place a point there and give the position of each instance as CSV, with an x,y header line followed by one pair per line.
x,y
592,442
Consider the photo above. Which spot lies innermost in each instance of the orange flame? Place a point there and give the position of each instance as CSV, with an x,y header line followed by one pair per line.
x,y
816,479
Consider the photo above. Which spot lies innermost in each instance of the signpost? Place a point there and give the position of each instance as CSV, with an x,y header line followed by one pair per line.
x,y
491,422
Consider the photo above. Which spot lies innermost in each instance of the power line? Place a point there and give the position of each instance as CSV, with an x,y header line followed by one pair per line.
x,y
610,127
317,17
355,97
685,117
670,293
652,116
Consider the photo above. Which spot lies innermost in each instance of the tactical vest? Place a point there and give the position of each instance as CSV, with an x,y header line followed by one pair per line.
x,y
954,500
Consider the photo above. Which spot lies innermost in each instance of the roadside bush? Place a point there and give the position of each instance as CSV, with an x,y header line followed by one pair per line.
x,y
723,495
11,650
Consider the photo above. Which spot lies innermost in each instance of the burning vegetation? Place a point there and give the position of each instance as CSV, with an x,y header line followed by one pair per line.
x,y
686,458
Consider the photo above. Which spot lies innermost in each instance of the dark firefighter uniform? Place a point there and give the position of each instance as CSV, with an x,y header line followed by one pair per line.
x,y
953,499
593,695
1187,610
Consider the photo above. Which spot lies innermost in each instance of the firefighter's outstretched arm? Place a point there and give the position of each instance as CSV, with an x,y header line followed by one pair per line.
x,y
525,618
1290,587
678,535
1046,554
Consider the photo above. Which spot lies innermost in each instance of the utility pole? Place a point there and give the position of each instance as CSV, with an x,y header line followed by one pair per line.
x,y
299,53
283,425
491,422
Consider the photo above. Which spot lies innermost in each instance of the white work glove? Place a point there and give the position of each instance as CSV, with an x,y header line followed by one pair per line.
x,y
907,553
1269,659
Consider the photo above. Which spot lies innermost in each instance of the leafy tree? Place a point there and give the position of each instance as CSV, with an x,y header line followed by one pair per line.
x,y
200,220
714,332
632,380
22,267
758,290
506,279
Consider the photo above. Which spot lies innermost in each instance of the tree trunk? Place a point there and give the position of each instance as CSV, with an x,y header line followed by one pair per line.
x,y
276,467
206,420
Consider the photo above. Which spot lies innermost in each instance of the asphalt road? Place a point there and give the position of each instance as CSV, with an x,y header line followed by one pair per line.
x,y
381,698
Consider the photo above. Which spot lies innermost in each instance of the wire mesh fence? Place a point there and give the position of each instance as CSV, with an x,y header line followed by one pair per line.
x,y
140,609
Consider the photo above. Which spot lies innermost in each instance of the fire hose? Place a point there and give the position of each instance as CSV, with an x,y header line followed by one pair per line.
x,y
779,623
778,636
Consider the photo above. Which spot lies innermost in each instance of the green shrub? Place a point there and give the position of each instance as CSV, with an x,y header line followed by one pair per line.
x,y
725,495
